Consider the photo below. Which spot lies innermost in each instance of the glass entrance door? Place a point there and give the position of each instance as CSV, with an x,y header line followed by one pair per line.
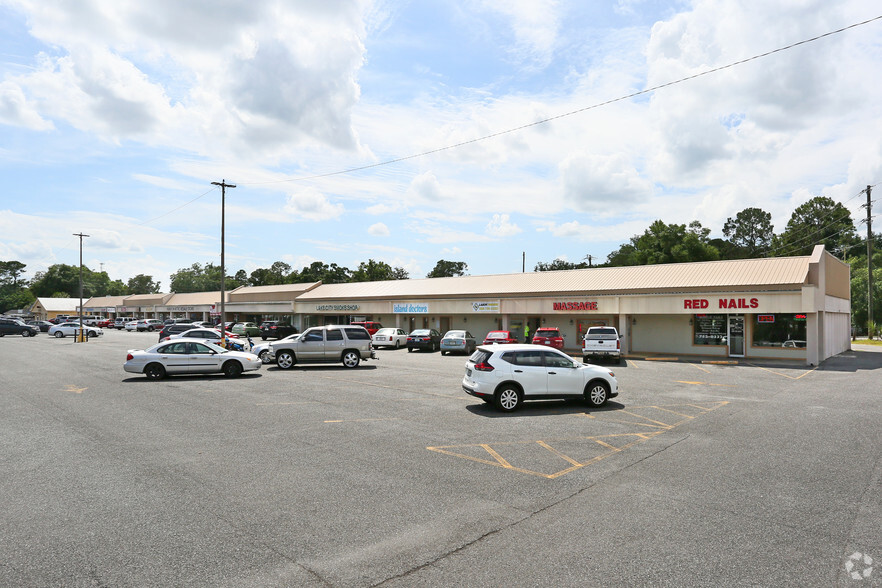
x,y
736,335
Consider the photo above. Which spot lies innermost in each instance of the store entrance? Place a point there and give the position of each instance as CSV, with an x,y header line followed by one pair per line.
x,y
736,335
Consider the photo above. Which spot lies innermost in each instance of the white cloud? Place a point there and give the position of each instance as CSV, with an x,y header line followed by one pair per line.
x,y
311,205
534,24
379,230
501,226
590,180
16,110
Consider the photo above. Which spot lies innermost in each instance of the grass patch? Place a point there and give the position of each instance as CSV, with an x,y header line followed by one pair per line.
x,y
875,342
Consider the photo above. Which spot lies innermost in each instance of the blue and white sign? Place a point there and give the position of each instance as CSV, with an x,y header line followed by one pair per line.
x,y
409,308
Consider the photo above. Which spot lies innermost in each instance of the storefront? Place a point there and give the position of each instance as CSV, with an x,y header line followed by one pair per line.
x,y
786,308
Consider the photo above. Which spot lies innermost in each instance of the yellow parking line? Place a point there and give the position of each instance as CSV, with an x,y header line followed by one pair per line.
x,y
558,453
705,384
698,367
632,363
674,412
496,456
784,375
662,358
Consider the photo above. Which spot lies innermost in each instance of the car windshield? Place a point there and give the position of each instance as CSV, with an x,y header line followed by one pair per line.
x,y
548,333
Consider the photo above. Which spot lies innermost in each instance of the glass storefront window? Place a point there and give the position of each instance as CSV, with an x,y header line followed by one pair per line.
x,y
779,330
709,329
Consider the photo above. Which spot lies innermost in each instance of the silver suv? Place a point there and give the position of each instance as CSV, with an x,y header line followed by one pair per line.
x,y
328,344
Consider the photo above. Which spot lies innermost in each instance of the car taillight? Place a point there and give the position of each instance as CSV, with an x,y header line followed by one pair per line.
x,y
130,357
619,345
165,338
483,367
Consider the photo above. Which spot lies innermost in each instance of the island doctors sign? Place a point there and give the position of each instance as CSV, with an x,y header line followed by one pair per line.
x,y
410,308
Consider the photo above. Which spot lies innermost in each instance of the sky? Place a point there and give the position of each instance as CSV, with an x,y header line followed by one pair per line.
x,y
500,133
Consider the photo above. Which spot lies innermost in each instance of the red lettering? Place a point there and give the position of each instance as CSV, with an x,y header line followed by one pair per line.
x,y
687,304
704,303
754,303
724,303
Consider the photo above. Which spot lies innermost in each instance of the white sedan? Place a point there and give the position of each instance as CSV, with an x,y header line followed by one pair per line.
x,y
188,357
389,337
71,329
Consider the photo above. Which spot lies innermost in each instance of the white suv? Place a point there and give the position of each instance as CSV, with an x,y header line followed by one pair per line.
x,y
506,375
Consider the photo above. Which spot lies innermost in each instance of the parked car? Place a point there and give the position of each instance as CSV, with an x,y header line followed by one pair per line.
x,y
389,337
13,326
132,325
276,330
188,357
500,337
43,326
329,344
460,341
71,330
371,326
549,336
104,323
249,329
601,343
506,376
201,333
148,325
173,329
423,339
265,353
120,322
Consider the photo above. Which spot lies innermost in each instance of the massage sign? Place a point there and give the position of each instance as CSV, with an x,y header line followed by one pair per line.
x,y
577,306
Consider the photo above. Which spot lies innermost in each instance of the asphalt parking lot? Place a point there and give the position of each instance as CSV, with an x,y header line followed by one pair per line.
x,y
696,475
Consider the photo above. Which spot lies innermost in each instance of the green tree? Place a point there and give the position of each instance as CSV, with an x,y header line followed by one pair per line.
x,y
319,271
14,293
751,232
197,278
558,264
59,278
662,243
375,271
142,284
277,273
821,220
447,269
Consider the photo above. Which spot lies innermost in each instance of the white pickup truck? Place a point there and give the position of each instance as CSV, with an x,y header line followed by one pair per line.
x,y
601,342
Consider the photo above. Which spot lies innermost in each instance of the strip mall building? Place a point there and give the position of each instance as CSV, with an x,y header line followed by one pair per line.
x,y
785,308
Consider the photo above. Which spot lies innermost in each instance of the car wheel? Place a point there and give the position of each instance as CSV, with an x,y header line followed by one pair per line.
x,y
233,369
597,393
351,359
285,360
25,333
93,334
507,398
149,329
409,349
443,352
265,357
154,371
398,345
584,359
263,337
59,334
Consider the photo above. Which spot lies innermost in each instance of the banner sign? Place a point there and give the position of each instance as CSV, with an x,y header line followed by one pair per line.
x,y
410,308
485,306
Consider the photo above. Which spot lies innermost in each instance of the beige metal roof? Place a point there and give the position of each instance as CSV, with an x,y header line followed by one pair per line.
x,y
104,301
57,304
281,292
193,298
146,299
779,273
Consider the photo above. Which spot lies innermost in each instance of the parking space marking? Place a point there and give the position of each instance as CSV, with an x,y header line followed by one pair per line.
x,y
784,375
74,389
705,384
546,455
698,367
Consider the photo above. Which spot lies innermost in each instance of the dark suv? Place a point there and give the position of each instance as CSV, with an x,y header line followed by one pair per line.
x,y
11,326
276,330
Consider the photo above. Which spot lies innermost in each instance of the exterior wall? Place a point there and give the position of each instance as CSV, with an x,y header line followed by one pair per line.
x,y
837,331
668,334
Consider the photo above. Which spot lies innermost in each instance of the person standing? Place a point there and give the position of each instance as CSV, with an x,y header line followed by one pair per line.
x,y
526,332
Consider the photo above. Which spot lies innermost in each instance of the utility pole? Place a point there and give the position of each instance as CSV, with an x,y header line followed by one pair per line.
x,y
224,185
523,261
869,263
80,337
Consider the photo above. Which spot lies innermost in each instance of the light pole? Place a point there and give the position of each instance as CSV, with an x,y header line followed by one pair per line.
x,y
80,337
224,185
